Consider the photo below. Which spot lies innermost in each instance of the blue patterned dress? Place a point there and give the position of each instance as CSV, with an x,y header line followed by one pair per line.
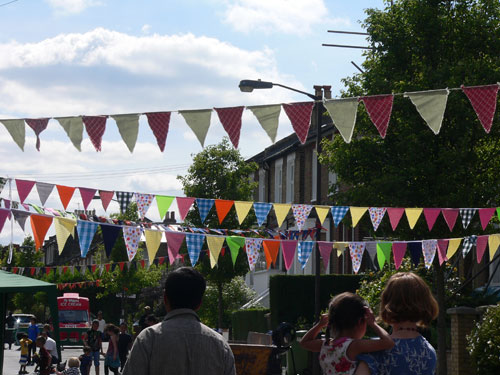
x,y
413,356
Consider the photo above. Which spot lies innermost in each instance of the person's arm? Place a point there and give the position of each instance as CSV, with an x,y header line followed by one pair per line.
x,y
115,346
99,343
309,341
367,346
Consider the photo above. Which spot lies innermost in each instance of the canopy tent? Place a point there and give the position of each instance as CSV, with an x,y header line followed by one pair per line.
x,y
12,283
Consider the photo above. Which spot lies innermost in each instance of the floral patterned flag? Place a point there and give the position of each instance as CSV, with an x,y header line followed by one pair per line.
x,y
143,203
301,213
304,252
429,248
288,247
252,247
376,216
356,250
131,235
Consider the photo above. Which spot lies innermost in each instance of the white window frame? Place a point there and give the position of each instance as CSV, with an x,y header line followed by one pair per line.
x,y
314,174
290,178
332,179
262,185
278,181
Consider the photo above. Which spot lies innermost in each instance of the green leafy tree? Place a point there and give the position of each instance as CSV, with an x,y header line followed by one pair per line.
x,y
220,172
424,45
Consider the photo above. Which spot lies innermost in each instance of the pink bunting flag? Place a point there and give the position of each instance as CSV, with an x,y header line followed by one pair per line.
x,y
95,127
288,247
356,249
38,125
174,242
379,109
24,188
485,215
484,102
442,248
3,216
450,216
87,196
431,215
132,236
106,197
481,243
325,249
184,204
395,215
231,121
376,216
159,123
300,117
398,251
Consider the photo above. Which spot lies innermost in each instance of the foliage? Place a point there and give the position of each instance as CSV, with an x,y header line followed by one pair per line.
x,y
484,342
249,320
235,294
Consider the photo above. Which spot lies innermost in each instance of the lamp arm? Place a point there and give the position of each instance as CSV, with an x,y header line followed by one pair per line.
x,y
314,97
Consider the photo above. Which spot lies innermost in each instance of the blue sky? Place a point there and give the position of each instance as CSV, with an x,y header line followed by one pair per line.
x,y
75,57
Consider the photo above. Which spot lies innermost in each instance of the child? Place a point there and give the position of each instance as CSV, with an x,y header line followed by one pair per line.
x,y
45,358
73,364
32,335
24,342
347,319
94,341
406,304
85,361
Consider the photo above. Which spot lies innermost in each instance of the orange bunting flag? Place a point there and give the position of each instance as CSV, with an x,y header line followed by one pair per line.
x,y
223,207
65,193
40,224
271,250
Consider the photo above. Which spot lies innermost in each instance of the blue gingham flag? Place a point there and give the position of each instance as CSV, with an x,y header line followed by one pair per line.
x,y
304,252
204,207
86,231
194,243
124,199
261,211
466,215
338,213
467,244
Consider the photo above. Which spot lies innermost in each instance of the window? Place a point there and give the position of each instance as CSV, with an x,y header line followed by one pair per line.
x,y
262,185
278,181
314,169
290,178
332,180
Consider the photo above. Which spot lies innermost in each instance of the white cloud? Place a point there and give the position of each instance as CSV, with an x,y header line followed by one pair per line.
x,y
72,6
146,29
286,16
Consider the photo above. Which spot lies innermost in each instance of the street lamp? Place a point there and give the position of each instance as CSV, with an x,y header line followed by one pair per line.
x,y
248,86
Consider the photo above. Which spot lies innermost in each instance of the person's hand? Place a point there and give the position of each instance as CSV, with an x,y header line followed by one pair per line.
x,y
323,320
369,317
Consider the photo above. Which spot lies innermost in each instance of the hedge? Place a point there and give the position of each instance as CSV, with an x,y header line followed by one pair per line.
x,y
292,296
251,320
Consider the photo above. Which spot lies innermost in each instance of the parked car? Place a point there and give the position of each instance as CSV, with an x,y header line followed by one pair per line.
x,y
22,320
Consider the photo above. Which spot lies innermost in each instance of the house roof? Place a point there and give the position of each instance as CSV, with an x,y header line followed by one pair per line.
x,y
10,282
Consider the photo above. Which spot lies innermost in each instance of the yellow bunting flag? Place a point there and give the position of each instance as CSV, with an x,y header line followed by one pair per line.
x,y
453,245
412,214
281,210
340,246
493,243
64,228
322,211
242,209
357,213
153,240
214,245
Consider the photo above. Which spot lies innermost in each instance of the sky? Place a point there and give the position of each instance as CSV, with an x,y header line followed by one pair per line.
x,y
93,57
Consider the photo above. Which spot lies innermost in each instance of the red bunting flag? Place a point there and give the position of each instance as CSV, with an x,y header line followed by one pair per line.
x,y
94,267
161,260
106,197
379,109
484,102
87,196
450,216
121,264
481,243
65,193
398,251
47,270
142,262
300,117
95,126
40,225
395,215
38,125
159,123
271,250
223,207
32,271
231,121
107,266
15,269
65,269
485,215
431,214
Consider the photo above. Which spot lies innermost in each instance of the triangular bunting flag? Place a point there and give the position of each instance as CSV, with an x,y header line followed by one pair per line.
x,y
3,216
199,122
163,202
431,214
493,243
371,249
40,225
235,243
301,213
395,215
64,228
261,211
325,249
415,252
38,125
65,194
271,250
356,249
106,197
231,121
95,127
450,216
300,117
485,215
17,131
252,247
184,204
124,198
86,231
128,126
442,247
21,217
379,109
214,245
484,102
87,196
153,240
304,252
343,113
383,253
412,214
143,203
376,216
73,126
268,117
281,211
469,241
398,252
159,123
338,213
24,188
110,234
429,248
223,207
242,209
132,236
44,189
204,207
322,212
356,214
288,247
482,241
194,244
431,106
174,242
467,214
453,245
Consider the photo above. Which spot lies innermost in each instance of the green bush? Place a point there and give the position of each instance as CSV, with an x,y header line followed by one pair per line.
x,y
251,320
292,296
484,343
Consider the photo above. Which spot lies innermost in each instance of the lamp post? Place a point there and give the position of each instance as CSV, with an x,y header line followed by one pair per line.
x,y
249,86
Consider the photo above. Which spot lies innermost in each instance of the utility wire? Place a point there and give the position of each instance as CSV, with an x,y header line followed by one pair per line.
x,y
10,2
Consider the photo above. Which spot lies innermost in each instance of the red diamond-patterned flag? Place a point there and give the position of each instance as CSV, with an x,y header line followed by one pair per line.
x,y
231,121
484,102
95,127
300,117
159,122
379,109
38,125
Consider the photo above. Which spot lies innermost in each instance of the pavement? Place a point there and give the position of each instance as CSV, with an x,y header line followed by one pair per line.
x,y
11,359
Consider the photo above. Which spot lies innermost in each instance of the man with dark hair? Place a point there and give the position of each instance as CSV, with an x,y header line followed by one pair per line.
x,y
181,344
